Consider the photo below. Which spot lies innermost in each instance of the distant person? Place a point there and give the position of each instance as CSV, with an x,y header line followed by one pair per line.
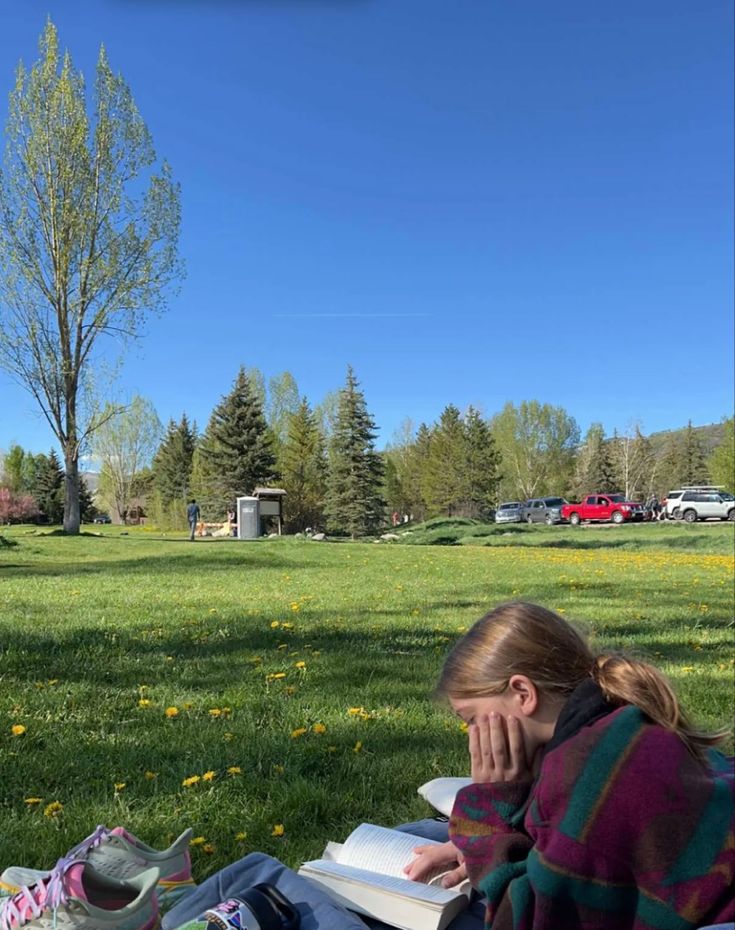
x,y
394,518
192,515
654,507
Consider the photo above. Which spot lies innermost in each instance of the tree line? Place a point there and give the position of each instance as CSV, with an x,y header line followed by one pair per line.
x,y
325,458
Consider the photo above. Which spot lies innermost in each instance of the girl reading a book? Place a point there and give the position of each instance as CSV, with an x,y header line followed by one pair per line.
x,y
595,803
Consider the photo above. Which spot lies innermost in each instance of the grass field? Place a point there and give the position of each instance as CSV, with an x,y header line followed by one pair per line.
x,y
297,675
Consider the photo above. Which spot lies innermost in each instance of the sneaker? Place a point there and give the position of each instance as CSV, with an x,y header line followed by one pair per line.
x,y
118,854
77,897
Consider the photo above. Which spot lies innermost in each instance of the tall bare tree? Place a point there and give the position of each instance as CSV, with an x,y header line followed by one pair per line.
x,y
88,238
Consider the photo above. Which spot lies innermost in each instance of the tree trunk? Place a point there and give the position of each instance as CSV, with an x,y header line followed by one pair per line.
x,y
71,488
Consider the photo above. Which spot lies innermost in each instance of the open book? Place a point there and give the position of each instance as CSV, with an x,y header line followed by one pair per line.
x,y
365,874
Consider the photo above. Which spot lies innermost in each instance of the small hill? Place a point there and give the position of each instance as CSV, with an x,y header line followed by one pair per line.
x,y
711,436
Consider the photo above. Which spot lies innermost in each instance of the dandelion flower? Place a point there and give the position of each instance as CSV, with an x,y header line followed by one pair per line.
x,y
319,728
278,830
17,729
144,702
172,712
197,841
209,776
463,727
299,731
149,776
215,712
53,809
234,770
278,769
31,802
242,835
301,665
228,737
119,785
191,780
275,624
356,711
208,848
358,746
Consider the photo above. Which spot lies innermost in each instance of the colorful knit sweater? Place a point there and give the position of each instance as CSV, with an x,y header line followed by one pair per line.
x,y
622,830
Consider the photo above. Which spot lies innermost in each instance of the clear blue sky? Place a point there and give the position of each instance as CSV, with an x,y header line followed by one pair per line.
x,y
470,201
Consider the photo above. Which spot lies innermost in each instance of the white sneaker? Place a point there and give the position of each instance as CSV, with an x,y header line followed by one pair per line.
x,y
77,897
118,854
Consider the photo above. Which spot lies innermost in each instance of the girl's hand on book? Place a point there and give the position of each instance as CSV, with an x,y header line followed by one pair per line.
x,y
433,859
497,751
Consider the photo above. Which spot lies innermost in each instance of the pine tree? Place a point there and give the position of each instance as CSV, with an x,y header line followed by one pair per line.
x,y
49,488
87,509
303,470
353,501
173,460
722,461
594,470
235,451
693,464
444,486
481,476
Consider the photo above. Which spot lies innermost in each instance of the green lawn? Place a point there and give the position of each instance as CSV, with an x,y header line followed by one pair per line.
x,y
253,643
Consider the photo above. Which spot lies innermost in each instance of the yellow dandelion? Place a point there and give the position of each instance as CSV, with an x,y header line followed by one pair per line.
x,y
242,835
172,712
209,776
191,780
208,848
197,841
149,776
278,830
215,712
276,676
53,681
319,728
53,809
356,711
463,727
291,689
119,785
275,624
17,729
144,702
278,769
299,731
32,802
357,746
228,737
301,665
234,770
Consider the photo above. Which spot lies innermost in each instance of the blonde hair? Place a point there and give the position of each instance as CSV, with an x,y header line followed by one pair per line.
x,y
518,638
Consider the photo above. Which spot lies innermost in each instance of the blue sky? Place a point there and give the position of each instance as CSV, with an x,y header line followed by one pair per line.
x,y
469,201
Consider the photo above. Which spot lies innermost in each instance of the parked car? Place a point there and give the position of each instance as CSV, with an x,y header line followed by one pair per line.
x,y
510,512
705,505
672,502
543,510
102,518
603,508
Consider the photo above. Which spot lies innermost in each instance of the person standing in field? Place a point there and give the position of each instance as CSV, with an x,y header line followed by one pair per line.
x,y
192,515
594,802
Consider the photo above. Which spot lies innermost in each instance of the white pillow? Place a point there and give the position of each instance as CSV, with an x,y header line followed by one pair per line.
x,y
441,792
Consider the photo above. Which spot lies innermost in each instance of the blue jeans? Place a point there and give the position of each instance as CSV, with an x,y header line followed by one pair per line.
x,y
318,911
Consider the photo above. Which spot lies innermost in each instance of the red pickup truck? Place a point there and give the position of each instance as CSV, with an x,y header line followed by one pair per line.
x,y
603,507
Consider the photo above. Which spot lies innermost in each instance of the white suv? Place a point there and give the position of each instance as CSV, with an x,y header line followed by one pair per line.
x,y
692,504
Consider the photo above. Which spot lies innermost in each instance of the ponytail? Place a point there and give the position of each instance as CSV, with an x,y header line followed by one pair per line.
x,y
624,680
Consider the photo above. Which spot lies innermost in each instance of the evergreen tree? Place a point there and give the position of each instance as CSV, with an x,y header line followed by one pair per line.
x,y
722,460
87,509
444,484
236,451
594,470
693,463
353,500
481,465
49,487
173,461
303,470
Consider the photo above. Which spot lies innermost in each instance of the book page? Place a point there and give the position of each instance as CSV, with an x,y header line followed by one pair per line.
x,y
381,850
429,894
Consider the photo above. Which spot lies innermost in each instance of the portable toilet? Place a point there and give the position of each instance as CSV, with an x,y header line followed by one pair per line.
x,y
248,518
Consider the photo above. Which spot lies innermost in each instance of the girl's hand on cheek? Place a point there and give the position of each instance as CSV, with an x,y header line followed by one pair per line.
x,y
497,752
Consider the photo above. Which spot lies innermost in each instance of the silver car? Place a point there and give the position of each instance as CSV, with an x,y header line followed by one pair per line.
x,y
544,510
510,512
